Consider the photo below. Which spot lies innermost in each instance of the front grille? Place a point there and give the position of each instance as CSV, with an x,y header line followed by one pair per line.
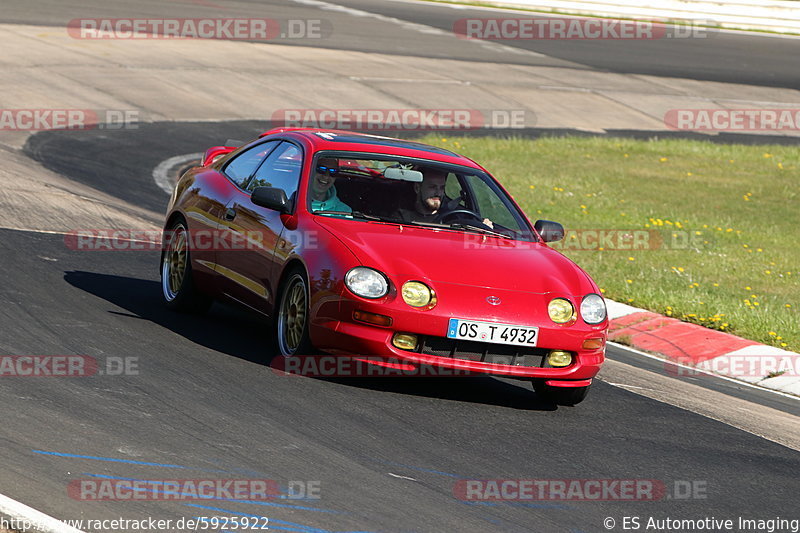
x,y
485,352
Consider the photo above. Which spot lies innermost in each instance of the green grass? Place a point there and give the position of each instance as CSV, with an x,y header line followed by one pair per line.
x,y
726,222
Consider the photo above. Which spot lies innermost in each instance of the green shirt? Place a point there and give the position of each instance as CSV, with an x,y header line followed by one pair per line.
x,y
330,203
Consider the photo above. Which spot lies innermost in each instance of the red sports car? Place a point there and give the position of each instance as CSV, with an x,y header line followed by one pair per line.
x,y
359,245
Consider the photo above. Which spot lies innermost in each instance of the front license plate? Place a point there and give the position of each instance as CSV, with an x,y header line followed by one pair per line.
x,y
492,332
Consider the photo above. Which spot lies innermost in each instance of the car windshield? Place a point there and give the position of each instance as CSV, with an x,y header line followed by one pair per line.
x,y
413,192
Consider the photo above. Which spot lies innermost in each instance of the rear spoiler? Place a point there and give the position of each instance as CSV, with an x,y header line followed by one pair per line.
x,y
215,152
283,129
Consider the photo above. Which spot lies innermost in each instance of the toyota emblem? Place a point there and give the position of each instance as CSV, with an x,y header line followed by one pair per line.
x,y
493,300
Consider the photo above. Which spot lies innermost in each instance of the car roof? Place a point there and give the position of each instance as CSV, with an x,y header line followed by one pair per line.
x,y
350,141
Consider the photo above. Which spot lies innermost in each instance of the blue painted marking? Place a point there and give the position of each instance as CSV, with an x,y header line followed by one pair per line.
x,y
109,459
128,461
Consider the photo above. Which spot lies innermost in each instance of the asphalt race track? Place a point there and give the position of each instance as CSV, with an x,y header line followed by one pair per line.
x,y
179,397
206,402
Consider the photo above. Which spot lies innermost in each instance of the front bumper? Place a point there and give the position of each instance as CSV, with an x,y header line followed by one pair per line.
x,y
348,337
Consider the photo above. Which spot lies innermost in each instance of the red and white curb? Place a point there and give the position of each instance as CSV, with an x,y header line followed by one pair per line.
x,y
27,519
692,351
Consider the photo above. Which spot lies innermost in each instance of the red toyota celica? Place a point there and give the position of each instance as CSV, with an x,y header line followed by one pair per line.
x,y
359,245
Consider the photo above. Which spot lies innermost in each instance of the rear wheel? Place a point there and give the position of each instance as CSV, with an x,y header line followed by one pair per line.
x,y
293,317
177,285
560,395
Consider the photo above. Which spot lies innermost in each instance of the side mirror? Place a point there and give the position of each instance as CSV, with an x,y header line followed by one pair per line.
x,y
550,231
215,152
271,198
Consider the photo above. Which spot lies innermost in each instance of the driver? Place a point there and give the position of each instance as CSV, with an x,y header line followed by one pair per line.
x,y
429,198
430,202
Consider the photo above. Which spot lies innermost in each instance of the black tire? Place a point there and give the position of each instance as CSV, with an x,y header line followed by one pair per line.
x,y
560,395
177,284
292,316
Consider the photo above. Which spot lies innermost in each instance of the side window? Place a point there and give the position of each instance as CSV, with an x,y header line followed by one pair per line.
x,y
490,205
241,167
280,170
452,189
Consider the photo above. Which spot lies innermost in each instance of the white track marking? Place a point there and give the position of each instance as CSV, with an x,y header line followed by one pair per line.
x,y
398,476
413,26
40,522
161,172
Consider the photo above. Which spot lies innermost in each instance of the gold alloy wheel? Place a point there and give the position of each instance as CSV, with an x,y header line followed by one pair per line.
x,y
176,259
292,317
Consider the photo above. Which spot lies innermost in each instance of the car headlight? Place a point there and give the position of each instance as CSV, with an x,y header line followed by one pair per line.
x,y
367,282
417,294
560,310
593,309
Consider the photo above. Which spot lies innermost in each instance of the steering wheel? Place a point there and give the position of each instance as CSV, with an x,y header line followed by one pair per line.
x,y
459,213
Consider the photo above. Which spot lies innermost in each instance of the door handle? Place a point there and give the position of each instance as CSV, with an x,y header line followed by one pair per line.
x,y
230,214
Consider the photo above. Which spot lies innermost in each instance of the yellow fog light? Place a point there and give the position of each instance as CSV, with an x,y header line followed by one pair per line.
x,y
417,294
560,310
559,358
405,341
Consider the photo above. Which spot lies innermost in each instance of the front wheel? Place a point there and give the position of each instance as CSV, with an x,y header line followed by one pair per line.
x,y
177,285
293,317
560,395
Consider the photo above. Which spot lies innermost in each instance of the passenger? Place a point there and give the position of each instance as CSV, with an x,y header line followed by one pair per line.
x,y
323,192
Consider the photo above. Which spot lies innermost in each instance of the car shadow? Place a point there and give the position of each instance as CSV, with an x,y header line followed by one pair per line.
x,y
225,329
240,333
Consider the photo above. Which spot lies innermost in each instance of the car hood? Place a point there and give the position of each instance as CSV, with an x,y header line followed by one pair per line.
x,y
452,257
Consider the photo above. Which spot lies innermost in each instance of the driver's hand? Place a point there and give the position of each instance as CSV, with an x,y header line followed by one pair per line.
x,y
488,222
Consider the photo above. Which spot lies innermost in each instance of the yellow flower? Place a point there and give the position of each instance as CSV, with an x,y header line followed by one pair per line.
x,y
533,186
748,289
629,281
631,259
780,166
663,159
788,306
716,284
625,155
603,291
772,333
688,173
768,272
784,344
444,140
767,155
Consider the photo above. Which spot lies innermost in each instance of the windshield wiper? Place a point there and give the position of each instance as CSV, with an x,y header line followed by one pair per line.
x,y
470,227
358,214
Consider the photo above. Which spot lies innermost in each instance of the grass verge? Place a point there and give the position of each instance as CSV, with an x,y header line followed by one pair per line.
x,y
703,232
